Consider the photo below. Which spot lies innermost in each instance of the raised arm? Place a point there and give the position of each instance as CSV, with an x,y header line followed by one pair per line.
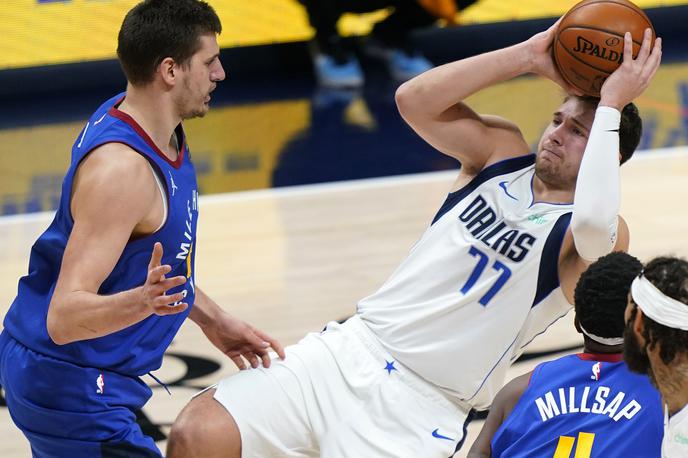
x,y
596,227
433,103
106,215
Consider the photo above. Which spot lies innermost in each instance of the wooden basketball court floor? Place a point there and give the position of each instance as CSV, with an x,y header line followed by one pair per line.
x,y
289,260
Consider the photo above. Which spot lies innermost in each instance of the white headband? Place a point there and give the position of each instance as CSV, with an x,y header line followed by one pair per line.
x,y
602,340
663,309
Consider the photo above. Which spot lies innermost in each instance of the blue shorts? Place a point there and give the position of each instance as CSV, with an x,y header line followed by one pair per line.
x,y
66,410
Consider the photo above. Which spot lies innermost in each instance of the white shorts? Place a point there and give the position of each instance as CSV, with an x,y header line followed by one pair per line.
x,y
339,394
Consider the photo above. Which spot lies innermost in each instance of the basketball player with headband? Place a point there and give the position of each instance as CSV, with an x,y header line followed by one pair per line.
x,y
656,342
496,267
588,402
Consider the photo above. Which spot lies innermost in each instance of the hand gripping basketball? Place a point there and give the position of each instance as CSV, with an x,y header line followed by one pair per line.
x,y
589,43
634,75
153,291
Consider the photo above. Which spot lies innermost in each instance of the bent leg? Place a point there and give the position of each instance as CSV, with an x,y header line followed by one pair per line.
x,y
204,428
254,413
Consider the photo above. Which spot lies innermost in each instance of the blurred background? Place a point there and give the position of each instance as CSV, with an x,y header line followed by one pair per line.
x,y
272,123
302,106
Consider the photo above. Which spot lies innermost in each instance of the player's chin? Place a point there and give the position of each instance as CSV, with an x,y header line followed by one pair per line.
x,y
198,113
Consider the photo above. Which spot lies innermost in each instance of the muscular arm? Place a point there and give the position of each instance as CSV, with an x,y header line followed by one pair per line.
x,y
114,197
501,407
433,103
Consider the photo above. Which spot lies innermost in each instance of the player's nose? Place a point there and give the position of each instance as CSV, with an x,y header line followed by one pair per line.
x,y
555,135
220,72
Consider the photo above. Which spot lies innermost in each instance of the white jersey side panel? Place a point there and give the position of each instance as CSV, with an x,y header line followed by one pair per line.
x,y
675,442
480,283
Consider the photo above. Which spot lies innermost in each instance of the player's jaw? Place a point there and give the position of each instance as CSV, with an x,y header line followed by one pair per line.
x,y
549,164
634,354
196,100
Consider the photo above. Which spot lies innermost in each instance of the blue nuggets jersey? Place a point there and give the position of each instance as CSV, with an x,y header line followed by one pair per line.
x,y
583,405
139,348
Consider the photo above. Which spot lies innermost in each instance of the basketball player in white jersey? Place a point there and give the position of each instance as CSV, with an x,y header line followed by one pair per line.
x,y
496,267
656,342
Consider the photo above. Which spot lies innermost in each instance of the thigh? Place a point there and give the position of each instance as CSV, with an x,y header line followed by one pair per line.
x,y
271,407
398,422
133,445
60,406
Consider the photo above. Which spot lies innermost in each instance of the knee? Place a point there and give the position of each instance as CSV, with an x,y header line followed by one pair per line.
x,y
184,434
204,429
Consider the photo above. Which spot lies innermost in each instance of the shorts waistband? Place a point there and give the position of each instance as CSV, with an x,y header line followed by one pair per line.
x,y
433,393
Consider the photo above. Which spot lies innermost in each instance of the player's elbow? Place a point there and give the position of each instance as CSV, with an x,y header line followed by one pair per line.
x,y
401,97
407,98
55,325
593,239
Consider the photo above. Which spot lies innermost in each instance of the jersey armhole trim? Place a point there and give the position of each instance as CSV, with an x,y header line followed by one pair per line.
x,y
498,168
163,195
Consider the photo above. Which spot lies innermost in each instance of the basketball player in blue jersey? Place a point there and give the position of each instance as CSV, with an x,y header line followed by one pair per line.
x,y
496,267
112,279
589,402
656,342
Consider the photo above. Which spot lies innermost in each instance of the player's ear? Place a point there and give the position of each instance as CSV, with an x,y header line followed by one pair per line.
x,y
638,325
167,70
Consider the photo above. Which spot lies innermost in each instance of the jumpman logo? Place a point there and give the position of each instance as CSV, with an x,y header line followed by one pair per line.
x,y
174,186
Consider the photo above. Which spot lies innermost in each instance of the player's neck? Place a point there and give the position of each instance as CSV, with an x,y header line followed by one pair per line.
x,y
599,349
154,115
672,381
548,192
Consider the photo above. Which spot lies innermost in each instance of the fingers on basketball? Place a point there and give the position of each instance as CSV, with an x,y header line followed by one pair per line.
x,y
590,41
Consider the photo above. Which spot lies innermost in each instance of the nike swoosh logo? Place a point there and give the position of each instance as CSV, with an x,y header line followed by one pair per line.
x,y
439,436
506,191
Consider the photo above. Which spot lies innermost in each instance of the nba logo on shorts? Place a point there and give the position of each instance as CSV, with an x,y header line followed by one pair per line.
x,y
596,370
100,382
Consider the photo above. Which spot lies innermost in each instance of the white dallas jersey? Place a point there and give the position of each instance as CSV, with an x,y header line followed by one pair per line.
x,y
477,287
675,442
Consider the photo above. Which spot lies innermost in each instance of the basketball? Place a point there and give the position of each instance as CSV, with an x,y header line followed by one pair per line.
x,y
589,41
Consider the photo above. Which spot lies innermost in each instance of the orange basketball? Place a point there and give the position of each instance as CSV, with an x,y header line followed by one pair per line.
x,y
589,42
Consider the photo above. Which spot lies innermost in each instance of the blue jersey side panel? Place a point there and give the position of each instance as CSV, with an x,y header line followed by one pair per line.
x,y
574,395
139,348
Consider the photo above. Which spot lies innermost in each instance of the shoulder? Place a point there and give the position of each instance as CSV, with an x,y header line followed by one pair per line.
x,y
115,163
113,173
510,394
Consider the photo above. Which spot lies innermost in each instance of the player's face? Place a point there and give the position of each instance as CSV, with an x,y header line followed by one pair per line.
x,y
562,144
200,78
635,355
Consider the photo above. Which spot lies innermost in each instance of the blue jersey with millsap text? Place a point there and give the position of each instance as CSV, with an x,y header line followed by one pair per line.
x,y
139,348
585,405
